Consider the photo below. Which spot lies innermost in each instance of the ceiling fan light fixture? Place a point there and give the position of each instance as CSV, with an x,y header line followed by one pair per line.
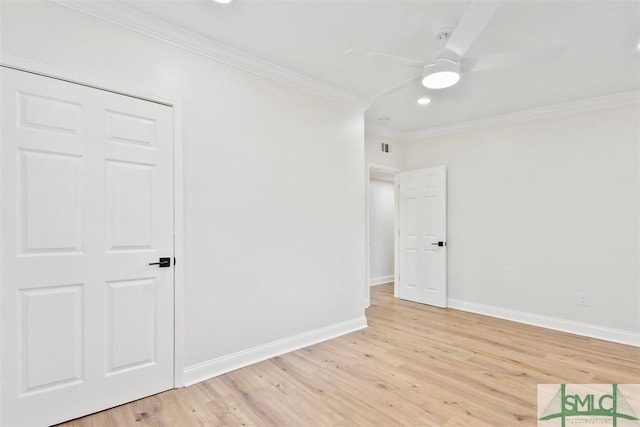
x,y
441,80
444,73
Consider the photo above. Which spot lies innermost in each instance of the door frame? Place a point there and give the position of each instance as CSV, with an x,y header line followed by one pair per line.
x,y
85,79
388,169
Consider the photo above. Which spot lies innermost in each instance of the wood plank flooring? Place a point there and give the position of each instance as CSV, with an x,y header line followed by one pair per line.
x,y
414,366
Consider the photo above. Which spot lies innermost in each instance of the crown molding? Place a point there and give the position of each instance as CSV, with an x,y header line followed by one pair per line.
x,y
551,111
133,19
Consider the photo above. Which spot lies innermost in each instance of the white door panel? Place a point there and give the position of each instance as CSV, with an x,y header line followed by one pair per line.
x,y
87,203
421,226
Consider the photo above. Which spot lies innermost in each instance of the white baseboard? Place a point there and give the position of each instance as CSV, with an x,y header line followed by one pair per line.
x,y
557,324
380,280
221,365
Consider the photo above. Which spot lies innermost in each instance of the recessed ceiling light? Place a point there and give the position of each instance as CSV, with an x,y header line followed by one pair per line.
x,y
223,1
424,101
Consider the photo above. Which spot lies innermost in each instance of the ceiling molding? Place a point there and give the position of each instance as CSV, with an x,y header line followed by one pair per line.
x,y
133,19
583,105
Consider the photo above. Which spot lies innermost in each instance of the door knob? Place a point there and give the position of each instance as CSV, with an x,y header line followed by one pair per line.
x,y
440,244
162,262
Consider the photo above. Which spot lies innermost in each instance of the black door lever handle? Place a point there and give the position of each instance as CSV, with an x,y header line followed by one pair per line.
x,y
439,244
163,262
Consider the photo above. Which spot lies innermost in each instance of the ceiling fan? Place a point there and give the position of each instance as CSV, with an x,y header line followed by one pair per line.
x,y
443,67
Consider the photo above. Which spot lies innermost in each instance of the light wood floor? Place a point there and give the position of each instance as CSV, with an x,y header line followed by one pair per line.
x,y
414,366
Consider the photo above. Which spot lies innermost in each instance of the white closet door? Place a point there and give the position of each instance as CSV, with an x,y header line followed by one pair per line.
x,y
86,180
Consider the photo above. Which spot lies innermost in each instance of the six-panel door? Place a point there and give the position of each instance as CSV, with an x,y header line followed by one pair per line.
x,y
422,235
87,203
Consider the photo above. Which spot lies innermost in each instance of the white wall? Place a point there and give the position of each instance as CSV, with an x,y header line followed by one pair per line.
x,y
540,211
274,189
381,231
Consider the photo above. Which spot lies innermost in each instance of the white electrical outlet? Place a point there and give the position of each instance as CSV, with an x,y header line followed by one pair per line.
x,y
583,299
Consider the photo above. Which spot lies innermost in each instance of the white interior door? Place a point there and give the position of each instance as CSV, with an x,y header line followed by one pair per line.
x,y
422,236
87,203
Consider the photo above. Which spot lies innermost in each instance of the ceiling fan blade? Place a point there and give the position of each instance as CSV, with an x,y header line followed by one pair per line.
x,y
390,58
396,87
476,17
512,59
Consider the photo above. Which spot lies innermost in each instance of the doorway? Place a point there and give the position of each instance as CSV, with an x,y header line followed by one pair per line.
x,y
381,218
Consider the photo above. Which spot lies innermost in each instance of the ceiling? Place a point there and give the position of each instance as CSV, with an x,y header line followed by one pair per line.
x,y
310,38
